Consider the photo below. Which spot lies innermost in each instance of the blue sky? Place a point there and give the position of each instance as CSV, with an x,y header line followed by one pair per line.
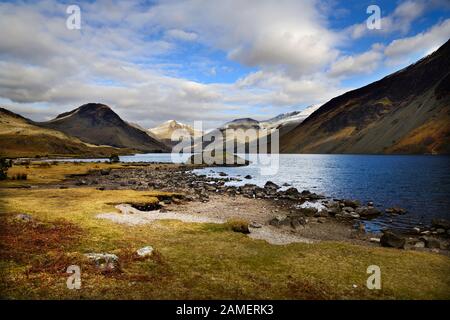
x,y
152,61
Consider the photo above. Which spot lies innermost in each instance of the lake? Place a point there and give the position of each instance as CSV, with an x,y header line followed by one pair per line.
x,y
420,184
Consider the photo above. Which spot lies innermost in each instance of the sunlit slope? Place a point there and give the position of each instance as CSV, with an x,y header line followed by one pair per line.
x,y
406,112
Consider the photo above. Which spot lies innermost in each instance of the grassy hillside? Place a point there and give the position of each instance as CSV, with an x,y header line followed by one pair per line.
x,y
405,112
19,137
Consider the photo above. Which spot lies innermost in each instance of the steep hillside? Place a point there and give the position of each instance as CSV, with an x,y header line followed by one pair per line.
x,y
98,124
20,137
406,112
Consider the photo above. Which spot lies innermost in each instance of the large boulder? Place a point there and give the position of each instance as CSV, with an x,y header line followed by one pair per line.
x,y
393,240
271,185
368,212
105,262
351,203
432,243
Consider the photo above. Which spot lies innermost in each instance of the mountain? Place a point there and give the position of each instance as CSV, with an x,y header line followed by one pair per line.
x,y
98,124
407,112
21,137
164,131
283,122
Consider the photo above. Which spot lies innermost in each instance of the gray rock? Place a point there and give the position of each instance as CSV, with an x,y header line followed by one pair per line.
x,y
105,172
255,225
368,212
390,239
432,243
321,220
23,217
106,262
271,185
145,251
441,223
395,210
278,221
419,244
351,203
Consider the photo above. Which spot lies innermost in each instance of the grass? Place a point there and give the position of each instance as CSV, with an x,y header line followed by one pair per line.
x,y
39,173
238,225
192,261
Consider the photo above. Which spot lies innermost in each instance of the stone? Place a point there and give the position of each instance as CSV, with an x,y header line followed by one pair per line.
x,y
393,240
145,251
308,211
291,192
419,244
368,212
271,185
248,177
375,240
105,172
431,243
23,217
321,220
106,262
351,203
222,174
395,210
441,223
278,221
255,225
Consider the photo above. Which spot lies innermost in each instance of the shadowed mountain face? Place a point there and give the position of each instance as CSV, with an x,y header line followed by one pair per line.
x,y
21,137
405,112
98,124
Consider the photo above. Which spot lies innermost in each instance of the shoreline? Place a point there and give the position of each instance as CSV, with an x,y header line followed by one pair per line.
x,y
284,211
207,242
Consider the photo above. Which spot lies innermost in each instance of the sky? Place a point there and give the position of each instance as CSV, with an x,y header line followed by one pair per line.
x,y
208,60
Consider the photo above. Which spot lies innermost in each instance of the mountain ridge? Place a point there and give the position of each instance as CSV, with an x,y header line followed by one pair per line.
x,y
98,124
405,112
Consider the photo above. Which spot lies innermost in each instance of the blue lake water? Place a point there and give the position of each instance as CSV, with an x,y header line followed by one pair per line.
x,y
420,184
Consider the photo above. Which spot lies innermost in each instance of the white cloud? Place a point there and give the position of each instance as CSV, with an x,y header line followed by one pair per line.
x,y
421,43
400,20
181,35
119,57
290,34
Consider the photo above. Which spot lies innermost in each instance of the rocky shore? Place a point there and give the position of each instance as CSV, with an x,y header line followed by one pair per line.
x,y
284,210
